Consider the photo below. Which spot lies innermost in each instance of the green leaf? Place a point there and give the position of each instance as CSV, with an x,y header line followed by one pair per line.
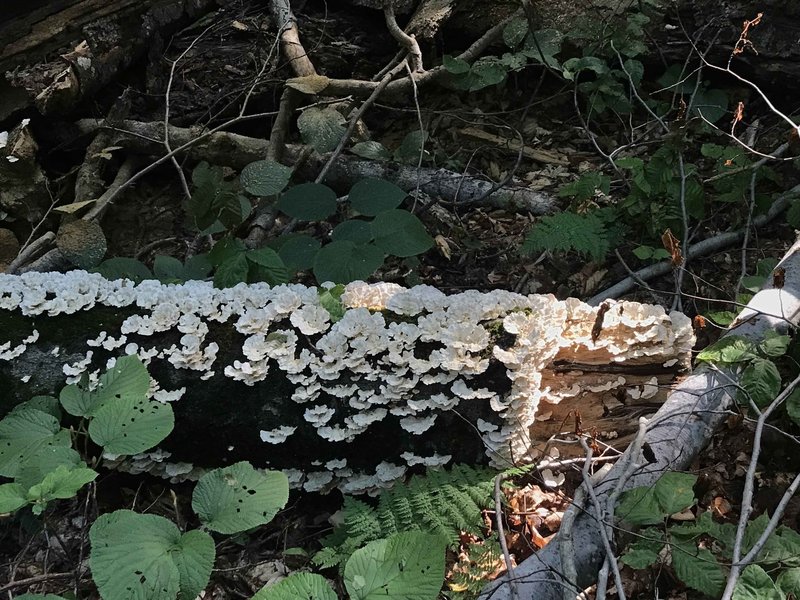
x,y
225,249
231,272
131,425
399,233
63,482
645,551
322,128
407,565
197,267
371,150
761,382
46,404
411,147
39,597
271,265
515,31
46,460
372,196
729,349
128,378
774,344
298,586
238,498
145,557
697,568
354,230
793,214
299,251
673,491
711,104
265,177
456,66
793,406
168,268
123,268
722,318
639,506
755,584
643,252
308,202
586,186
12,497
343,262
574,66
23,433
788,581
562,232
542,47
331,300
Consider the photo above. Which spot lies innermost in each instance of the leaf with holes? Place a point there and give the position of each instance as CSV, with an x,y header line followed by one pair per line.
x,y
131,425
343,262
321,128
399,233
146,557
238,498
308,202
372,196
128,378
265,177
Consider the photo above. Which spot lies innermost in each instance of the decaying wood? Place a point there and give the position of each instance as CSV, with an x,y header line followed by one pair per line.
x,y
406,376
236,151
676,434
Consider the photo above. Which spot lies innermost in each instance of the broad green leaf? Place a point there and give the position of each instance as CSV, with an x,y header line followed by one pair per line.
x,y
238,498
455,66
12,497
331,300
407,566
232,272
308,202
729,349
645,550
265,177
673,492
372,196
46,460
639,506
587,63
343,262
225,249
63,482
131,425
271,265
761,382
298,586
46,404
371,150
755,584
145,557
788,581
354,230
643,252
399,233
793,406
123,268
128,378
723,318
712,104
411,147
299,251
774,344
697,568
542,47
197,267
514,32
23,434
322,128
484,72
168,268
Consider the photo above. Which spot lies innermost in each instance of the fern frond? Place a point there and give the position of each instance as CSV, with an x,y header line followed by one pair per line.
x,y
567,231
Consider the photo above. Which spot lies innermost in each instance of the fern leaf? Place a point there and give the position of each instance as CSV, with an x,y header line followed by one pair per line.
x,y
566,231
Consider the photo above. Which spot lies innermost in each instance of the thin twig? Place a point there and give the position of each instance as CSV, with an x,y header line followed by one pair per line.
x,y
498,514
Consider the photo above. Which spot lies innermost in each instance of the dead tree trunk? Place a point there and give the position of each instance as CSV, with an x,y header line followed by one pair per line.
x,y
404,378
676,434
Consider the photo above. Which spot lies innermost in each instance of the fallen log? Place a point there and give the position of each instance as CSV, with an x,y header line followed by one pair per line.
x,y
236,151
676,434
349,398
